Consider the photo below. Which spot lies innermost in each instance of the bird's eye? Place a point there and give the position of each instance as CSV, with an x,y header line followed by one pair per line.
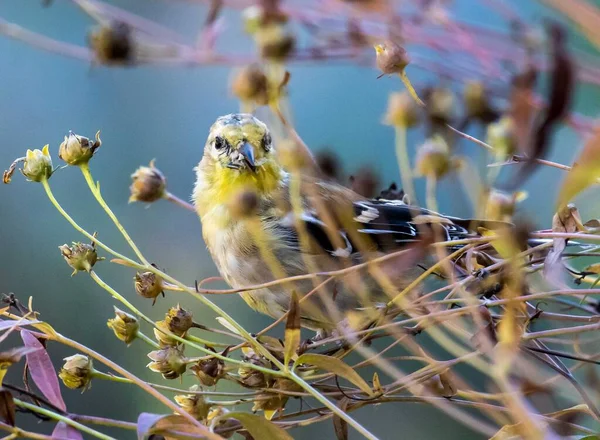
x,y
220,143
266,142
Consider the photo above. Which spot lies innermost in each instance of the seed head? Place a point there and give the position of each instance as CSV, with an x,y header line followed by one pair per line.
x,y
77,150
441,105
168,361
251,84
148,285
433,158
502,137
391,57
112,43
250,377
194,404
80,256
149,184
161,334
124,325
77,372
209,371
275,42
402,111
179,320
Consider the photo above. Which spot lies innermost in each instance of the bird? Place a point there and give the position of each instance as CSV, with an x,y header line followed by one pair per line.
x,y
333,229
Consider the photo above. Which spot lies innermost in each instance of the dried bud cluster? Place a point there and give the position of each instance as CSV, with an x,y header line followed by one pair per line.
x,y
77,372
77,150
80,256
194,404
148,285
124,325
177,321
37,166
149,184
168,361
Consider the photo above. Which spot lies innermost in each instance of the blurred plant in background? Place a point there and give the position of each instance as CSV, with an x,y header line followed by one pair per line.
x,y
512,306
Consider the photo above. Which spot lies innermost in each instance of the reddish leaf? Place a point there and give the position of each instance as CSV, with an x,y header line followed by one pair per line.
x,y
6,324
145,422
7,407
42,371
62,431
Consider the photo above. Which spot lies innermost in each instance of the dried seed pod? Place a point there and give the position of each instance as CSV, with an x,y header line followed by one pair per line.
x,y
402,111
168,361
80,256
113,43
194,404
179,320
77,150
77,372
441,105
433,158
391,57
124,325
164,340
251,84
209,371
250,377
275,42
502,137
148,285
149,184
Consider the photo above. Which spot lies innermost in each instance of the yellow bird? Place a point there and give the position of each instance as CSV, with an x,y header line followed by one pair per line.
x,y
336,224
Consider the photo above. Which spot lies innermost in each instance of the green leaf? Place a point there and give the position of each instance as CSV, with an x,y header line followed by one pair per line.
x,y
336,366
258,427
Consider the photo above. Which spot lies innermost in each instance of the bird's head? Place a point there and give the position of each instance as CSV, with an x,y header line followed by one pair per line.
x,y
238,153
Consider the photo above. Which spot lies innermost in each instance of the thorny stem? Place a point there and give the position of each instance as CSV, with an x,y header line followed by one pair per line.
x,y
95,189
61,418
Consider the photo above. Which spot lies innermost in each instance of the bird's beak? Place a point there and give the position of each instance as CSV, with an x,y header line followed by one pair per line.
x,y
247,151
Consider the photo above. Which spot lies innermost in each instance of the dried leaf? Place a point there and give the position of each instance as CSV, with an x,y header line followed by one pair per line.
x,y
376,384
149,424
42,371
341,426
62,431
448,387
566,220
336,366
584,174
145,422
7,407
259,427
292,330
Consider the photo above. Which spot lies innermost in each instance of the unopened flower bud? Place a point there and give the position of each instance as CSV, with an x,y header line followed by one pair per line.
x,y
77,372
80,256
168,361
113,43
402,111
251,84
124,325
37,165
275,42
179,320
243,204
194,404
433,158
502,137
149,184
209,371
391,57
76,150
148,285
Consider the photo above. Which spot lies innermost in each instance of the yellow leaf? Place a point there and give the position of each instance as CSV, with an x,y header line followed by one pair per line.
x,y
336,366
585,173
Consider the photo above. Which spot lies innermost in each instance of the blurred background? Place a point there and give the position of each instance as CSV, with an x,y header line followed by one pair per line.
x,y
164,113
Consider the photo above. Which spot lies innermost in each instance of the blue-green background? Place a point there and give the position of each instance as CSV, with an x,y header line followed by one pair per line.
x,y
164,113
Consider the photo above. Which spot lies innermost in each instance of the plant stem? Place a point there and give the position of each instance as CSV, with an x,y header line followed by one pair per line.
x,y
431,183
61,418
404,164
179,202
147,340
95,189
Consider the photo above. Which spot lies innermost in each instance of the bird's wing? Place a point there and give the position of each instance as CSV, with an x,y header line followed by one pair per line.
x,y
377,225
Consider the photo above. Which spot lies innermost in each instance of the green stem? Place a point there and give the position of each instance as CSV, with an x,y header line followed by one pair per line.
x,y
147,340
431,183
61,418
95,188
404,164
